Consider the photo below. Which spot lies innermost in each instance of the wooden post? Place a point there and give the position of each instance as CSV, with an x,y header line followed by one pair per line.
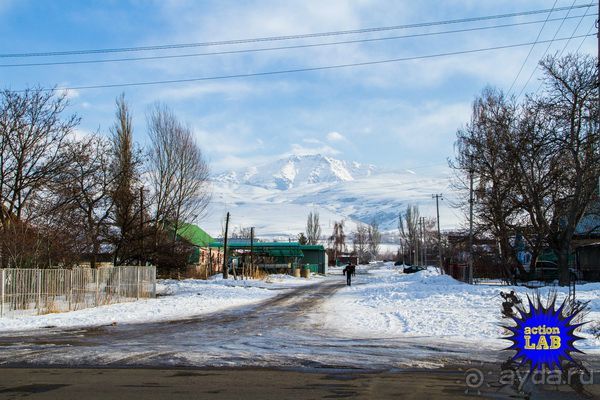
x,y
225,272
252,251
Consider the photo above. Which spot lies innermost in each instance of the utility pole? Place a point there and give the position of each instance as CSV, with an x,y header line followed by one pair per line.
x,y
422,239
424,243
142,257
437,206
225,272
471,201
252,251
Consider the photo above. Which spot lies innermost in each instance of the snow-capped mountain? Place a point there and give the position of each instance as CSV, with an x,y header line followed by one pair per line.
x,y
296,171
276,197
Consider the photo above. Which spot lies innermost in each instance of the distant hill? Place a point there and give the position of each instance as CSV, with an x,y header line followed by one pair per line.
x,y
276,197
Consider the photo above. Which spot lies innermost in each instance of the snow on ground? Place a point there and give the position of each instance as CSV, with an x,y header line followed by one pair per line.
x,y
383,302
176,300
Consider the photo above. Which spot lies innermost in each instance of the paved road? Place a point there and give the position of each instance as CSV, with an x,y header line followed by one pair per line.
x,y
150,384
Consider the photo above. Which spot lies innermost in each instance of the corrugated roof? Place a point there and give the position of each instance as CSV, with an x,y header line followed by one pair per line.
x,y
195,235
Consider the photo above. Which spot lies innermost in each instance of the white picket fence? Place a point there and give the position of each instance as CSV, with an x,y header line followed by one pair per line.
x,y
42,291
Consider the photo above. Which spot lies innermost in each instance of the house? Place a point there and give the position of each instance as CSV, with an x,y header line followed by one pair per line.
x,y
588,261
274,256
202,256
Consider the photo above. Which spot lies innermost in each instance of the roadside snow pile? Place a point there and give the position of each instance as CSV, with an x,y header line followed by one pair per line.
x,y
175,300
386,303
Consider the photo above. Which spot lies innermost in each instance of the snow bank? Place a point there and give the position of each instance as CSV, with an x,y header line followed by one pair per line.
x,y
175,300
383,302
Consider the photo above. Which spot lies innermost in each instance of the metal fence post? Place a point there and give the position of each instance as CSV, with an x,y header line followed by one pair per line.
x,y
39,289
96,275
138,283
2,283
153,272
70,289
119,283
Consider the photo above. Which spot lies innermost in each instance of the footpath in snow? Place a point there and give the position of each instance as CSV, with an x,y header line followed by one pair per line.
x,y
175,300
383,302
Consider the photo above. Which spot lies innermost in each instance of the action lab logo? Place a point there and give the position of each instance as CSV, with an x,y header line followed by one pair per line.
x,y
544,337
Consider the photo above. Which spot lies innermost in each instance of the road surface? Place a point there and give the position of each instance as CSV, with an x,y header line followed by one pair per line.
x,y
233,354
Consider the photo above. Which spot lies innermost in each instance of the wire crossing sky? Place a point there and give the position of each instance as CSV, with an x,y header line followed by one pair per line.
x,y
372,81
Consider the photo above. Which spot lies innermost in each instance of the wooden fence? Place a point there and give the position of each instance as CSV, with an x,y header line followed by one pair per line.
x,y
42,291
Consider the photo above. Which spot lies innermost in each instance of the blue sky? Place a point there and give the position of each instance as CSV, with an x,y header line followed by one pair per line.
x,y
399,115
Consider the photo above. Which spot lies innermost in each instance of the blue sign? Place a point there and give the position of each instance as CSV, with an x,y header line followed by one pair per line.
x,y
544,336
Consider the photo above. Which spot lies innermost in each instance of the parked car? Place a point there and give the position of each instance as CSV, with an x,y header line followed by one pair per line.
x,y
547,271
412,269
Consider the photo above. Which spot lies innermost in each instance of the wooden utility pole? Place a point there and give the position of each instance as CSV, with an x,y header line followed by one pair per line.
x,y
437,206
225,271
252,250
424,247
142,260
471,201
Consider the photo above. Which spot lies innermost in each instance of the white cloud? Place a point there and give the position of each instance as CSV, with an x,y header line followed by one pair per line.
x,y
335,137
300,150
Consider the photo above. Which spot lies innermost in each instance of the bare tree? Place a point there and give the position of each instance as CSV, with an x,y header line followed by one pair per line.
x,y
408,226
337,240
482,149
313,228
125,169
178,172
373,239
360,243
557,153
85,189
538,162
33,133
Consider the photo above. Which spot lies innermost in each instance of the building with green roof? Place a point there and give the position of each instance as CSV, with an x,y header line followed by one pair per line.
x,y
277,256
197,237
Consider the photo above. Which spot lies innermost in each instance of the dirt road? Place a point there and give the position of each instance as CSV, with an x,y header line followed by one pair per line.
x,y
280,332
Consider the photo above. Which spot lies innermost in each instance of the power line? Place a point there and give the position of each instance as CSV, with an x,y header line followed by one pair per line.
x,y
287,37
296,70
569,41
545,52
285,47
530,51
574,32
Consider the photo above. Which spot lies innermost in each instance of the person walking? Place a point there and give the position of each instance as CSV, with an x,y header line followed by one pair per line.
x,y
349,271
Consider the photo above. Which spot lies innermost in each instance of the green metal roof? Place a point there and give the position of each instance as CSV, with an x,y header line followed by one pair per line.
x,y
195,235
273,249
312,247
232,244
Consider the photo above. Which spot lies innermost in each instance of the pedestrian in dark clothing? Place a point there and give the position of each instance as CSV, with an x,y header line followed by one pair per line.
x,y
349,271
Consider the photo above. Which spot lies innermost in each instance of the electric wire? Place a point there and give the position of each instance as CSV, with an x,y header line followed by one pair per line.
x,y
300,46
530,51
296,70
287,37
545,52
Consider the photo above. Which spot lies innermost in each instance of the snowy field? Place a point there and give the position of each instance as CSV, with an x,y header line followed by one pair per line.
x,y
385,303
176,300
